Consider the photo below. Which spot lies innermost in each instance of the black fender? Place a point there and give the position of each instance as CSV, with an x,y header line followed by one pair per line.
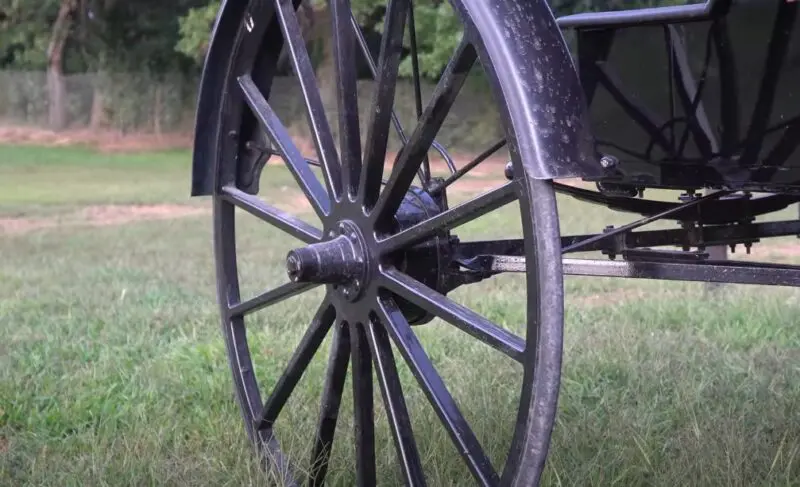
x,y
533,72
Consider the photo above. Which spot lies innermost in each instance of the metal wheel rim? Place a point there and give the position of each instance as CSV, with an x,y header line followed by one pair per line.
x,y
528,451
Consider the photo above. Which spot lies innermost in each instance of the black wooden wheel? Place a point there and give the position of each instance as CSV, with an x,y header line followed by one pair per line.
x,y
373,250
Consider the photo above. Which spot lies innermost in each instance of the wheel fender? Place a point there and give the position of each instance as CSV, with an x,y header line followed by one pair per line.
x,y
533,69
218,55
536,76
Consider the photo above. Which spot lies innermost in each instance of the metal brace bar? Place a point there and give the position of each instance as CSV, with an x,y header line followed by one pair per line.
x,y
759,273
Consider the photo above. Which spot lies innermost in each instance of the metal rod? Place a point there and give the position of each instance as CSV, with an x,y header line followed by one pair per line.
x,y
709,271
725,271
469,166
644,221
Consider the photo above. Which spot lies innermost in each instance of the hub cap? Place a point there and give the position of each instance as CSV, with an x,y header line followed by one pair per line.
x,y
340,261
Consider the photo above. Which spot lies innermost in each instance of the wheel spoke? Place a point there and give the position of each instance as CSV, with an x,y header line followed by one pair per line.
x,y
331,400
278,218
382,101
315,110
438,395
363,406
412,34
413,153
268,298
344,50
362,42
305,177
396,410
297,364
451,218
459,316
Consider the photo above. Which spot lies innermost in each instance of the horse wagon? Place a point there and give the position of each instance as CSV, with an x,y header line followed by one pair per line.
x,y
699,100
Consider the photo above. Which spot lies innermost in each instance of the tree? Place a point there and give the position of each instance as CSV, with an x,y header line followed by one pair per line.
x,y
56,88
35,36
194,29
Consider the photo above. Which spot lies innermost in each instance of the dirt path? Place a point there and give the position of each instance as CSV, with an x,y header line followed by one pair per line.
x,y
98,216
103,140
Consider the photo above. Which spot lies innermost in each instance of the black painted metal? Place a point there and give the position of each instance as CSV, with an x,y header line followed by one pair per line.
x,y
331,402
701,236
695,96
661,265
709,271
640,223
725,210
413,153
443,403
383,254
362,42
385,251
364,424
396,410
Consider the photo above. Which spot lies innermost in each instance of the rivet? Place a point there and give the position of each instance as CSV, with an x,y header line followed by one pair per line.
x,y
608,161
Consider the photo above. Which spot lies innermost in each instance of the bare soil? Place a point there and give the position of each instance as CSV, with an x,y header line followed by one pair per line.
x,y
104,215
102,140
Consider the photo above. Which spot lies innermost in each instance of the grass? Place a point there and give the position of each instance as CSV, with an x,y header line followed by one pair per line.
x,y
113,370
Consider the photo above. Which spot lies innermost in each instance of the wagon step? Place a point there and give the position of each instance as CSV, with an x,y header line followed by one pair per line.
x,y
730,271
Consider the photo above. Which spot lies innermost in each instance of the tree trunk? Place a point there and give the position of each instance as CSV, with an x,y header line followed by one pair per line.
x,y
158,109
56,89
98,117
317,28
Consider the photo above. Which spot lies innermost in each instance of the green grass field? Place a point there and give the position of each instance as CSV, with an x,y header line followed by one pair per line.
x,y
113,368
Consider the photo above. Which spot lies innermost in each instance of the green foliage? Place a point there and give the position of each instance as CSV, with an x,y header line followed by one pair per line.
x,y
25,32
195,27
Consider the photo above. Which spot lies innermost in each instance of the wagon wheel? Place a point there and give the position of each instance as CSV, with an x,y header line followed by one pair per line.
x,y
361,253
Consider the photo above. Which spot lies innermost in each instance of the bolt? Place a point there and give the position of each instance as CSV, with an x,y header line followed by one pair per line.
x,y
608,161
352,236
357,284
293,267
509,170
342,228
346,291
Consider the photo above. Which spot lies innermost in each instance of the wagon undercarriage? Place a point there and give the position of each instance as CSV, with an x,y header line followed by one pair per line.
x,y
387,248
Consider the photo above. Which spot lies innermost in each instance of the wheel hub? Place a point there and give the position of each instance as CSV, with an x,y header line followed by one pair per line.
x,y
344,261
341,261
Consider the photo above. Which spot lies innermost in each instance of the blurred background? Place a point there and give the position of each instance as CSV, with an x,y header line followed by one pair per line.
x,y
133,67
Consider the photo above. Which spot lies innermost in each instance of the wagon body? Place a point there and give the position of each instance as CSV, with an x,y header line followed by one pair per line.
x,y
696,95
